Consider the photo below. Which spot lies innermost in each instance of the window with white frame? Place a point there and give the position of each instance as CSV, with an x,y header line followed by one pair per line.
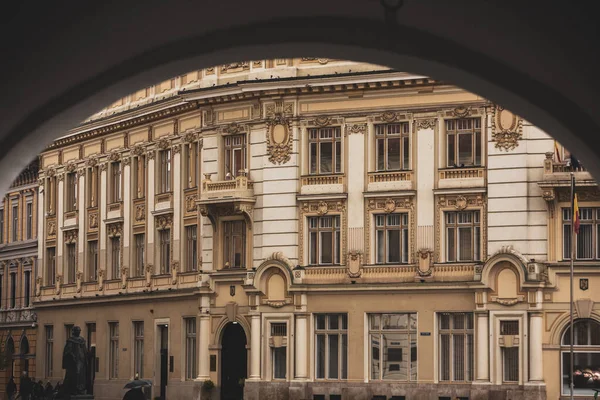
x,y
50,266
115,256
586,357
235,155
325,150
278,350
164,237
71,198
324,240
138,348
393,346
588,238
510,355
456,347
191,259
92,260
139,240
29,221
115,182
331,346
113,353
463,142
234,244
49,359
392,146
191,358
391,238
71,262
463,236
164,177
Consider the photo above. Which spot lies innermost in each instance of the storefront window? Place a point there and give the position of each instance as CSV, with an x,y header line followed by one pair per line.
x,y
586,358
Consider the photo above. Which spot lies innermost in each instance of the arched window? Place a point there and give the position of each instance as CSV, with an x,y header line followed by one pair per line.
x,y
24,348
586,357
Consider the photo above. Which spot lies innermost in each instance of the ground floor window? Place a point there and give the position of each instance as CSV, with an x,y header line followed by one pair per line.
x,y
586,358
278,349
456,346
393,346
331,339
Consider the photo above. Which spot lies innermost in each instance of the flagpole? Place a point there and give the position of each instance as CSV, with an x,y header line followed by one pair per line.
x,y
573,241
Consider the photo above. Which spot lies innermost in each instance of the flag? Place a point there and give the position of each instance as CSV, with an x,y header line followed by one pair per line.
x,y
557,152
576,219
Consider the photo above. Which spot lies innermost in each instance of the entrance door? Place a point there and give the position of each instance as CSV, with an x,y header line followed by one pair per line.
x,y
164,360
233,362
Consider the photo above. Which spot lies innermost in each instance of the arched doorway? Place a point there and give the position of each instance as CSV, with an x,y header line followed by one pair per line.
x,y
233,362
9,352
24,354
586,357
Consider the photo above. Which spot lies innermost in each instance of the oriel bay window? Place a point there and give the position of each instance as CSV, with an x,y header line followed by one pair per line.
x,y
325,150
331,346
235,155
456,347
324,239
463,236
391,238
234,244
588,238
393,148
586,357
393,346
463,142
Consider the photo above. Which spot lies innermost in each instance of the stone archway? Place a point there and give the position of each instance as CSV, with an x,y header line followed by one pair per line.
x,y
233,361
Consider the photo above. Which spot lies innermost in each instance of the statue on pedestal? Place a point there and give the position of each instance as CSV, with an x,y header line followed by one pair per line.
x,y
74,362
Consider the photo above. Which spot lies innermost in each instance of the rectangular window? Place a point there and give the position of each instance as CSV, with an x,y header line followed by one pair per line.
x,y
463,139
192,164
164,237
27,288
92,260
191,261
279,352
1,291
50,266
393,146
234,244
113,354
331,338
165,171
463,236
1,225
138,349
235,156
49,330
325,150
456,347
115,257
71,200
71,262
139,177
13,290
191,358
393,346
92,186
324,237
510,355
140,254
29,222
15,223
115,182
391,238
588,238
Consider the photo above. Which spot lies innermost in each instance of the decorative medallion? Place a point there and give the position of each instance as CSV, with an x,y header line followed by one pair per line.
x,y
71,167
190,202
322,208
461,203
356,129
71,236
279,139
164,221
51,228
50,172
93,220
190,137
355,264
163,143
297,274
233,128
389,116
114,156
322,120
461,111
390,205
507,129
425,266
114,229
138,150
427,123
584,284
140,212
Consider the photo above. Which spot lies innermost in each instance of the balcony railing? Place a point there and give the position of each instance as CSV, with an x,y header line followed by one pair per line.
x,y
561,171
239,187
395,176
322,180
462,173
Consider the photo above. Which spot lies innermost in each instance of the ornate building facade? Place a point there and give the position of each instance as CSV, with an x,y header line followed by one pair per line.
x,y
18,269
314,229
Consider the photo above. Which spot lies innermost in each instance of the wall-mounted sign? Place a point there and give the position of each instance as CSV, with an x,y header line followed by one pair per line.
x,y
425,333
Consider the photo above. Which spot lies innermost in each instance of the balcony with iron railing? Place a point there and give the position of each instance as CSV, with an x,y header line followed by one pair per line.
x,y
558,173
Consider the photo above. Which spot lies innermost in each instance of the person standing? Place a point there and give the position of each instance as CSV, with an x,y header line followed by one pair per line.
x,y
25,387
11,388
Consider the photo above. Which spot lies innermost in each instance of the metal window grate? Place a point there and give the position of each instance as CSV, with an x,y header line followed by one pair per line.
x,y
509,327
279,329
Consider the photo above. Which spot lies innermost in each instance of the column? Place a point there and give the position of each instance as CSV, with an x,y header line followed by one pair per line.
x,y
536,365
482,355
301,344
203,351
255,348
126,211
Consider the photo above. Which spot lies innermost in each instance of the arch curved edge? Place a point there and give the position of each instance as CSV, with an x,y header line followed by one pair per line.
x,y
510,255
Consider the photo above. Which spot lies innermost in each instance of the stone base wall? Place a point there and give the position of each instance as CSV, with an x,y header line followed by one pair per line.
x,y
387,391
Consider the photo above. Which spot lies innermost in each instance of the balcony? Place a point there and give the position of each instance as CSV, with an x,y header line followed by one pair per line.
x,y
322,184
559,173
234,196
461,178
390,181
